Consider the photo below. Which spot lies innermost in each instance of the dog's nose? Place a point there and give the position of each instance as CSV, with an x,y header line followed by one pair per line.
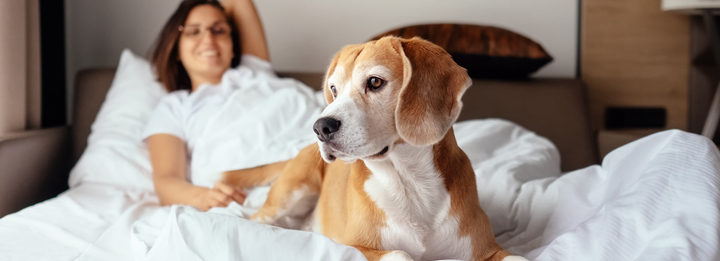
x,y
325,128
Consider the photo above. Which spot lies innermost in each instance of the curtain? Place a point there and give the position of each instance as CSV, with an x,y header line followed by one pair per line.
x,y
19,65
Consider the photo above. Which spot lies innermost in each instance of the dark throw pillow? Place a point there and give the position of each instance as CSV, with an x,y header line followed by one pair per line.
x,y
485,51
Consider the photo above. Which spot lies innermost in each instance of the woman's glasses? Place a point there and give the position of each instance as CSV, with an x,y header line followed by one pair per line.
x,y
195,31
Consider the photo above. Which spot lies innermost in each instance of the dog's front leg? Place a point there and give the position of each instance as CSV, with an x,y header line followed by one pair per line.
x,y
253,177
294,194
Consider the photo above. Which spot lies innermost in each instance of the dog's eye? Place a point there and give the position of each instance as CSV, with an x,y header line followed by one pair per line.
x,y
332,89
375,83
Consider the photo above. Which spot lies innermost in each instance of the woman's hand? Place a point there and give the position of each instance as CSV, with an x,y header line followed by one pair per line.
x,y
168,157
220,196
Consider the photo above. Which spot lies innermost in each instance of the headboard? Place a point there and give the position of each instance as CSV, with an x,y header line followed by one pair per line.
x,y
553,108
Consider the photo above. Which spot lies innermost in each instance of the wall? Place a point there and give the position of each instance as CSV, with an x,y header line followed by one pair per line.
x,y
303,35
321,27
97,31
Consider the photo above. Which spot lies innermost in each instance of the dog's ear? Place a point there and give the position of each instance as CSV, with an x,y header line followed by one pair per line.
x,y
430,98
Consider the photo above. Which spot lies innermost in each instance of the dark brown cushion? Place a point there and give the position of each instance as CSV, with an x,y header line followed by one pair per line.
x,y
485,51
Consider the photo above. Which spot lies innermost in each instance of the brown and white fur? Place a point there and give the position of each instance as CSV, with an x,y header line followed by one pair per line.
x,y
408,191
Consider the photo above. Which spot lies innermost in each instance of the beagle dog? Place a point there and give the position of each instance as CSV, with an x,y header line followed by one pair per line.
x,y
403,189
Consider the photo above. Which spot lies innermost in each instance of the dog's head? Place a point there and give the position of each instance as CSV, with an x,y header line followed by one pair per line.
x,y
387,92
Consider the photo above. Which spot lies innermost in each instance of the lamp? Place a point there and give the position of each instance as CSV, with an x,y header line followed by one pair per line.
x,y
689,6
706,8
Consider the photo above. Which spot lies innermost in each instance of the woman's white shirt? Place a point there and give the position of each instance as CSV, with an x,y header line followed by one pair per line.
x,y
251,118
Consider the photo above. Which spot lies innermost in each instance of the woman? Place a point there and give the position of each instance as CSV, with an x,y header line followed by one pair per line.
x,y
198,44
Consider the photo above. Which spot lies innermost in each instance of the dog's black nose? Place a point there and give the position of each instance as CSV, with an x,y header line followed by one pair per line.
x,y
325,128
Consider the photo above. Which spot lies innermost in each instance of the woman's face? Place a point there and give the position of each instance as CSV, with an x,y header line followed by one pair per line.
x,y
205,46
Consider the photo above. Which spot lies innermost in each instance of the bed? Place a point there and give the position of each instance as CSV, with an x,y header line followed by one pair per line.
x,y
547,195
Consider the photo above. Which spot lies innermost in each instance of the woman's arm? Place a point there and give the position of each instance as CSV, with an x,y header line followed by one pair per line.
x,y
252,35
168,159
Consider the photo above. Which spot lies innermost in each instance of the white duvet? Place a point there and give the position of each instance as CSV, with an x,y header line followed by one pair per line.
x,y
653,199
657,198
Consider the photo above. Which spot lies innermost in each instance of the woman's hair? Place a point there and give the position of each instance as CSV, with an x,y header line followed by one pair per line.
x,y
165,58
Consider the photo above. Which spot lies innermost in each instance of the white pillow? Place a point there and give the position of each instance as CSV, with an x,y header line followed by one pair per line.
x,y
115,153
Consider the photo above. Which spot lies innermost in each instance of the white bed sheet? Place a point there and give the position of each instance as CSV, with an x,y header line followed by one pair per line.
x,y
654,199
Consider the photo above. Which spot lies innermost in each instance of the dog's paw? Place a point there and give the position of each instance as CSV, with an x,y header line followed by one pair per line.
x,y
514,258
396,255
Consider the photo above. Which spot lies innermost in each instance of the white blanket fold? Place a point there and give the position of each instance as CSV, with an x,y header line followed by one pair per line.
x,y
653,199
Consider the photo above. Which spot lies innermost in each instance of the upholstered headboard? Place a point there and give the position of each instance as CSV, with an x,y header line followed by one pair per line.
x,y
554,108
